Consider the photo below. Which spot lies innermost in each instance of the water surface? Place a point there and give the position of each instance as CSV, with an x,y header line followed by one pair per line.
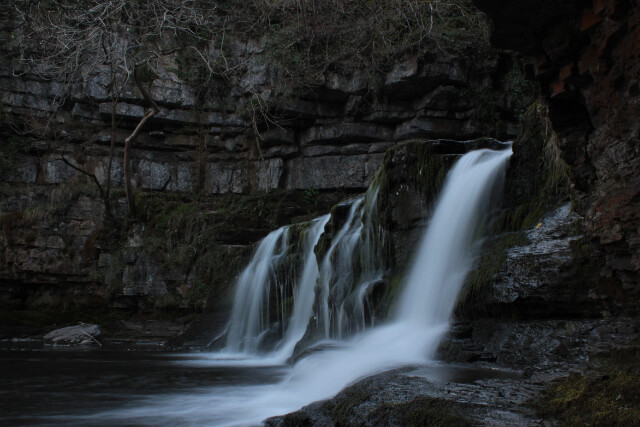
x,y
116,388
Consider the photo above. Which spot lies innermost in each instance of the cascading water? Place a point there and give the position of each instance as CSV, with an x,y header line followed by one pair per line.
x,y
448,249
372,265
445,256
250,312
352,265
341,296
336,271
304,294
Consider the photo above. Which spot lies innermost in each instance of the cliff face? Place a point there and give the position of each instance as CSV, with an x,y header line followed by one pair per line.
x,y
585,55
333,137
218,137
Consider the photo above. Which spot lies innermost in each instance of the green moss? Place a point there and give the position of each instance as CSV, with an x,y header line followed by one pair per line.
x,y
386,305
522,216
607,395
310,196
538,179
297,419
183,233
430,170
343,411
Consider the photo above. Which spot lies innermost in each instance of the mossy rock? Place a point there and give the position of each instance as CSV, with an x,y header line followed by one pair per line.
x,y
537,178
478,283
358,408
608,394
423,411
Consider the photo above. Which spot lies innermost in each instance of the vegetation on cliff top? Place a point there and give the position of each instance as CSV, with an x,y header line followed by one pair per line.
x,y
308,37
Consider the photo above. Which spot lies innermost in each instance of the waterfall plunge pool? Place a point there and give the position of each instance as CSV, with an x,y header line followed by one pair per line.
x,y
97,388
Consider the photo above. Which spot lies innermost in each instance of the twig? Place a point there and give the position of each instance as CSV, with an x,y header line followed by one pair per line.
x,y
92,337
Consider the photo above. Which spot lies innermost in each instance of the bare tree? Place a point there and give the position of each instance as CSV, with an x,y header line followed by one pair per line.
x,y
68,40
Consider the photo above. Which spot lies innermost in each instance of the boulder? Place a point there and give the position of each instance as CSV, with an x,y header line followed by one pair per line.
x,y
82,334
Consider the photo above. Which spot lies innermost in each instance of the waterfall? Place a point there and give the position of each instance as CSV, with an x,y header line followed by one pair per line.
x,y
250,313
448,249
334,292
445,255
305,292
336,288
336,272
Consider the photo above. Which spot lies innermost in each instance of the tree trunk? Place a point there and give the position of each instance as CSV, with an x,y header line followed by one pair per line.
x,y
128,189
128,144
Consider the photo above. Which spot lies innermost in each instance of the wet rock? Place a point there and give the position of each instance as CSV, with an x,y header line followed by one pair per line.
x,y
540,275
352,132
332,171
448,396
585,57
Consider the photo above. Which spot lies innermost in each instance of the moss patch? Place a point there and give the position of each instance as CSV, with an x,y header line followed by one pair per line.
x,y
186,233
608,395
538,178
423,411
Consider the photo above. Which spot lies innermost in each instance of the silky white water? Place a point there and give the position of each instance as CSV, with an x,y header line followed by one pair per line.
x,y
249,312
304,295
445,256
284,286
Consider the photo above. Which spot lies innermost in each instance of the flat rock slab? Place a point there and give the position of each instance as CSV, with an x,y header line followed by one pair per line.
x,y
74,335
